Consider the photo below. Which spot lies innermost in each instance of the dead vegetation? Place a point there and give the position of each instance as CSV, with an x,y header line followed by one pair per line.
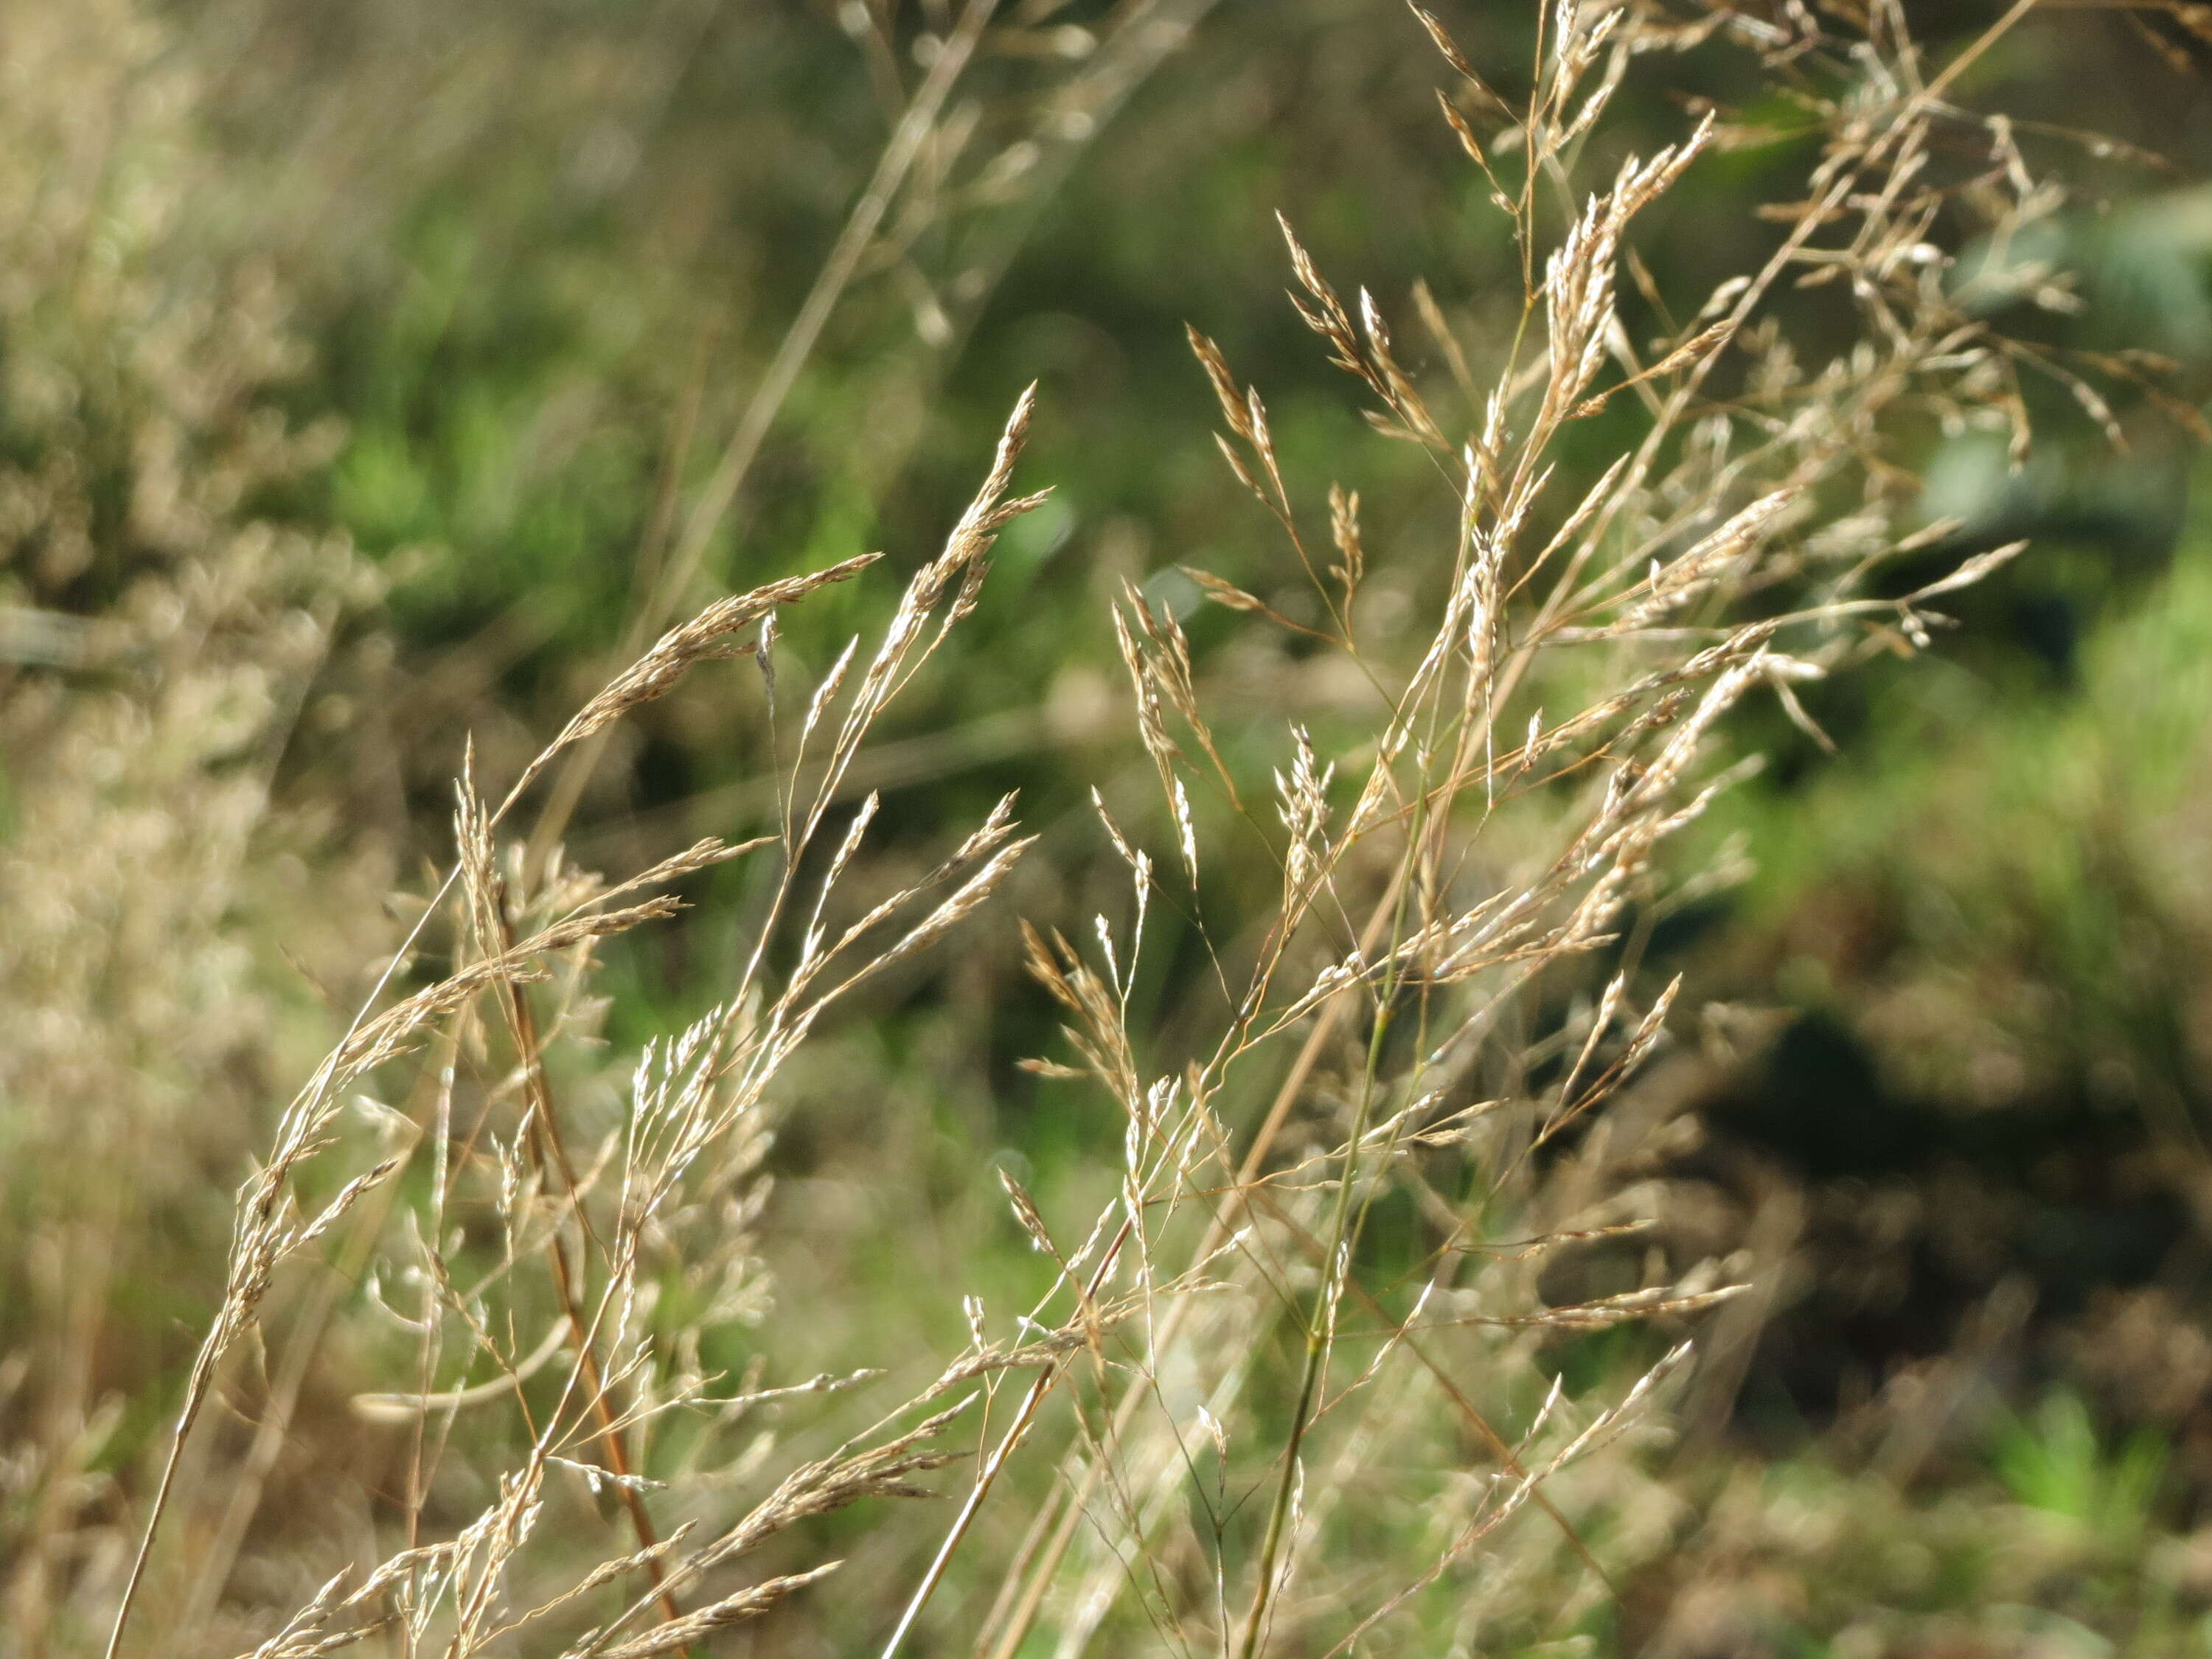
x,y
1286,1390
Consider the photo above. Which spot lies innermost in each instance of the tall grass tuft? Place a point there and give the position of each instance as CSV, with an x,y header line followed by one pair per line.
x,y
1295,1379
158,642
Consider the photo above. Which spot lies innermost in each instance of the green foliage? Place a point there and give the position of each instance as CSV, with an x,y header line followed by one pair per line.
x,y
2055,1461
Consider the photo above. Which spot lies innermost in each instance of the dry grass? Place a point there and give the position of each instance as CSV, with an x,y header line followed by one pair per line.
x,y
1286,1389
156,651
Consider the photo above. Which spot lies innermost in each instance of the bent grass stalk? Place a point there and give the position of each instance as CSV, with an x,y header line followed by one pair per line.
x,y
1879,144
265,1236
